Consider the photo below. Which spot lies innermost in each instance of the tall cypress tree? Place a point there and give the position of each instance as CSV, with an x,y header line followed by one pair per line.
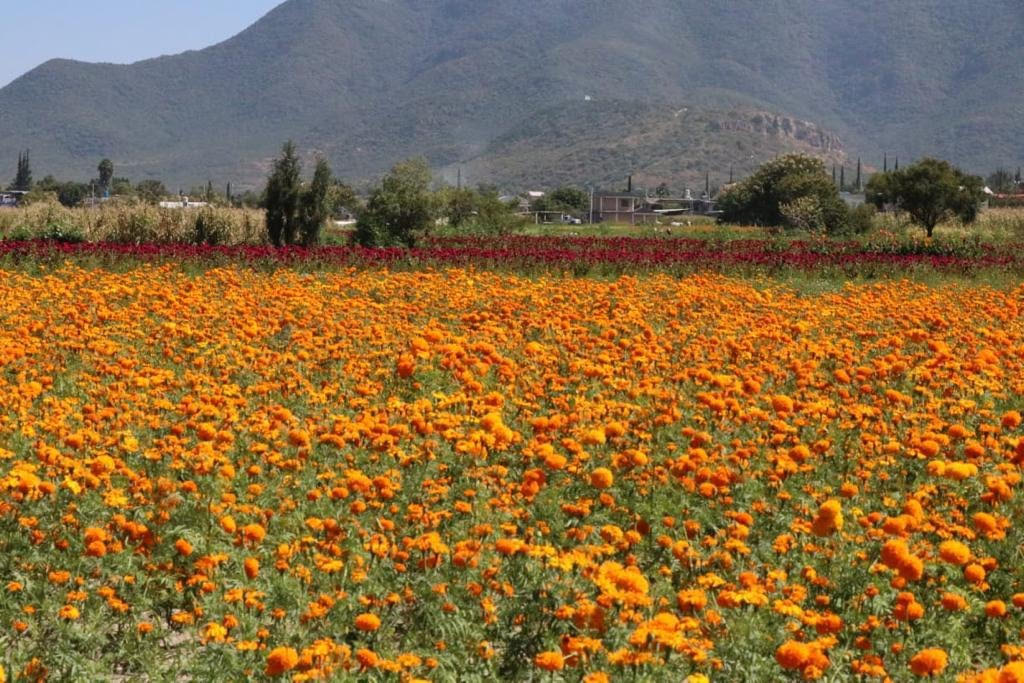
x,y
314,209
23,177
858,174
282,197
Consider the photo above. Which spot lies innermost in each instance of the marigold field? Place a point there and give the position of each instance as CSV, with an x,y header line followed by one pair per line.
x,y
460,475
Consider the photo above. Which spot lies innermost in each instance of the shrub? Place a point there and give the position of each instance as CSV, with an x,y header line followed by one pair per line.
x,y
759,200
861,220
212,227
400,210
803,213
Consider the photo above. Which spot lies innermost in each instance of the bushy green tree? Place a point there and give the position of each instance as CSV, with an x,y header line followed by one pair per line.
x,y
480,210
564,199
794,184
458,205
284,189
72,194
151,191
930,191
400,210
342,199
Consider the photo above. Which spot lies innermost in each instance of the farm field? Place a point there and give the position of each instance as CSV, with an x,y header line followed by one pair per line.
x,y
450,473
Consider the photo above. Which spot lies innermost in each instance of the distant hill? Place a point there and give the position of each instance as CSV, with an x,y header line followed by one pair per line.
x,y
487,83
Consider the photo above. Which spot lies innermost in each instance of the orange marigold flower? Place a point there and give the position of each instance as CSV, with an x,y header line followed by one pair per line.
x,y
367,622
974,573
251,566
929,662
955,552
691,600
183,547
793,654
953,602
254,533
367,659
281,660
601,478
550,661
1012,673
995,609
69,613
1011,419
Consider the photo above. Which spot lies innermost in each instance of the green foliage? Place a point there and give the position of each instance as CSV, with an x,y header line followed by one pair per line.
x,y
1002,182
72,194
400,210
212,227
930,192
315,206
874,85
861,219
23,176
803,213
151,191
792,191
106,173
284,189
342,200
566,199
296,213
479,211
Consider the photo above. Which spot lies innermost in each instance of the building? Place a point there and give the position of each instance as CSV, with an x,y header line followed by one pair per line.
x,y
638,208
11,198
183,203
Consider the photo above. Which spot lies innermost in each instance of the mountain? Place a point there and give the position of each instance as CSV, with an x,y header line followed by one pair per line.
x,y
551,85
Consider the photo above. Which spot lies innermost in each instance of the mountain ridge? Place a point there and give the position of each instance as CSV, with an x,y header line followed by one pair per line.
x,y
370,82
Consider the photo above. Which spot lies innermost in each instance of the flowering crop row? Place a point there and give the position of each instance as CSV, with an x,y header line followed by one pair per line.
x,y
463,475
570,254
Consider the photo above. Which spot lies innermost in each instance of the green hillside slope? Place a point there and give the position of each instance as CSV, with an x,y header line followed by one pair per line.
x,y
372,81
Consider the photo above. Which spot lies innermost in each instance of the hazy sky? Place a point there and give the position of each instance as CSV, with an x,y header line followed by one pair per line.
x,y
119,31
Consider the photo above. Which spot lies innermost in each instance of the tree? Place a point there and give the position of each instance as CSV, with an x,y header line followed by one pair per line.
x,y
343,200
282,197
106,171
400,210
1001,181
932,191
121,187
315,207
793,185
23,176
459,204
564,199
151,191
72,194
479,210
